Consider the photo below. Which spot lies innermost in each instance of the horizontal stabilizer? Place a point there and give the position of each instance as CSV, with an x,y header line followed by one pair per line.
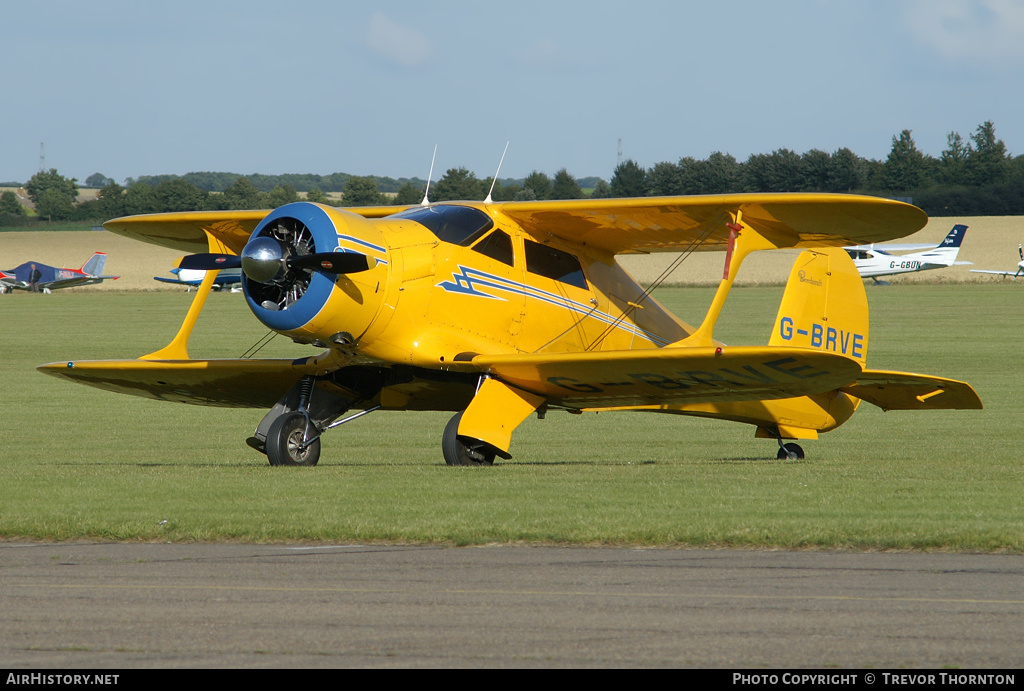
x,y
909,391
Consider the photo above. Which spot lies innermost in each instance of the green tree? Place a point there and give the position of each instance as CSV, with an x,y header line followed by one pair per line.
x,y
53,204
409,194
952,167
602,190
281,195
458,183
316,195
361,191
665,180
51,180
906,166
111,201
986,162
243,195
540,183
845,172
629,180
9,204
140,198
178,194
719,174
97,180
564,186
502,193
814,170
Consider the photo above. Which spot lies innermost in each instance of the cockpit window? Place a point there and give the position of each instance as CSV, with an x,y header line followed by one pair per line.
x,y
459,225
497,245
555,264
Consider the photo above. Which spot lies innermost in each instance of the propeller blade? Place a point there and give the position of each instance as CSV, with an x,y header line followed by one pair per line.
x,y
332,262
210,262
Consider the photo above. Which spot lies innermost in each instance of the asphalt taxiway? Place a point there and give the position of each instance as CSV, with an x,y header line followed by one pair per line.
x,y
116,605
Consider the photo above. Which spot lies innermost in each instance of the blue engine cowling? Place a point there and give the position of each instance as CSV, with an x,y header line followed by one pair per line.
x,y
296,298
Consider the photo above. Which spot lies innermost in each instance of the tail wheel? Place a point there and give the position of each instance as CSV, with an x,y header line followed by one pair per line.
x,y
464,450
286,443
790,452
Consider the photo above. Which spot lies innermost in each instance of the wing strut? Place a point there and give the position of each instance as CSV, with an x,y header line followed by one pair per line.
x,y
743,240
177,349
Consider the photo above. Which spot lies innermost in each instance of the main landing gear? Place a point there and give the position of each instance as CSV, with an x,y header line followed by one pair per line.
x,y
790,452
293,439
464,450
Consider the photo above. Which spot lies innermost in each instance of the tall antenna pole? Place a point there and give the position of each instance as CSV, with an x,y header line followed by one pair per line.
x,y
42,156
618,160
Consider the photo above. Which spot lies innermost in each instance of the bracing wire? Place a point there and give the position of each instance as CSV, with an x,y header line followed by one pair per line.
x,y
632,307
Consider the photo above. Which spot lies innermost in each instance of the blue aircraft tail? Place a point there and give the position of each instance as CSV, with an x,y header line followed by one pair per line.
x,y
94,267
955,237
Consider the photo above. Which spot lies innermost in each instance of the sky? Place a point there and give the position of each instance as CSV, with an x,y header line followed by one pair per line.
x,y
128,88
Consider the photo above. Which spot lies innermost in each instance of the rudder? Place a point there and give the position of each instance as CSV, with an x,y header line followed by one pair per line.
x,y
825,306
95,265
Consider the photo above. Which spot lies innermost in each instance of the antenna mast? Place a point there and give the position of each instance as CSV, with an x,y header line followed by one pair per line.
x,y
42,156
426,192
489,200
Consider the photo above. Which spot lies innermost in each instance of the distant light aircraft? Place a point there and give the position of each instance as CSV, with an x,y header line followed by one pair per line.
x,y
38,277
1015,274
193,278
873,261
499,310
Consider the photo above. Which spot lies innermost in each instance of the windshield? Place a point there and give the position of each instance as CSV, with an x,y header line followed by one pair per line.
x,y
459,225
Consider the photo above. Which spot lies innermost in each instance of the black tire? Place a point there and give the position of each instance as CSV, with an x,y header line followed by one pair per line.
x,y
790,452
463,450
284,442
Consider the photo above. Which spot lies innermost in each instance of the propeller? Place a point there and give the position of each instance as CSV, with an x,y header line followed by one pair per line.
x,y
263,260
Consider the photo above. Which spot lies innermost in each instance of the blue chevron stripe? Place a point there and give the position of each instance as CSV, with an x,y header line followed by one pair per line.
x,y
470,281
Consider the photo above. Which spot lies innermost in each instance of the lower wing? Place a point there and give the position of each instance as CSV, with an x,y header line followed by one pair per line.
x,y
673,375
225,383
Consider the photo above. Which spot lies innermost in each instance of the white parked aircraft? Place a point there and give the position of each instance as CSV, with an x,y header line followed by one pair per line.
x,y
1015,274
873,261
193,278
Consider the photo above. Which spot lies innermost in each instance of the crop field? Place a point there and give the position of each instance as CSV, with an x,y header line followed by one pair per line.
x,y
991,243
80,463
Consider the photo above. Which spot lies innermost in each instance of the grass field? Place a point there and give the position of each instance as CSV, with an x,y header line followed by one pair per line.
x,y
82,463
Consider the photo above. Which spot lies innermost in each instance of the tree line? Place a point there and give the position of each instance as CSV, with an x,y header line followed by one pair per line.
x,y
971,177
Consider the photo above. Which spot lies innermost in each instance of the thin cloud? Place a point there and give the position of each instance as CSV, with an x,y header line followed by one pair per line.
x,y
990,31
399,44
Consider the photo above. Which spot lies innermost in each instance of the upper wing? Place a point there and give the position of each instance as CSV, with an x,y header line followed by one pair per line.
x,y
186,231
908,391
673,375
662,224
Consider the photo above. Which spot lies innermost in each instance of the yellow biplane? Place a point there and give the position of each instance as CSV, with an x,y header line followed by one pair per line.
x,y
496,311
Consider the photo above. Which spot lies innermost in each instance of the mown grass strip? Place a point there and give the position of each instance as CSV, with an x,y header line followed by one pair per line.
x,y
81,463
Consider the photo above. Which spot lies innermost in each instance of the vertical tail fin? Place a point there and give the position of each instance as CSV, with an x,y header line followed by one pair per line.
x,y
947,250
824,306
955,237
94,267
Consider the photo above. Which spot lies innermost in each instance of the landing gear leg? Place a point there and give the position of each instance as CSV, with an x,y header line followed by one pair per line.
x,y
464,450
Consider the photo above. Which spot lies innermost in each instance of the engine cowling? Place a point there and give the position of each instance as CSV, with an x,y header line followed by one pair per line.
x,y
301,299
